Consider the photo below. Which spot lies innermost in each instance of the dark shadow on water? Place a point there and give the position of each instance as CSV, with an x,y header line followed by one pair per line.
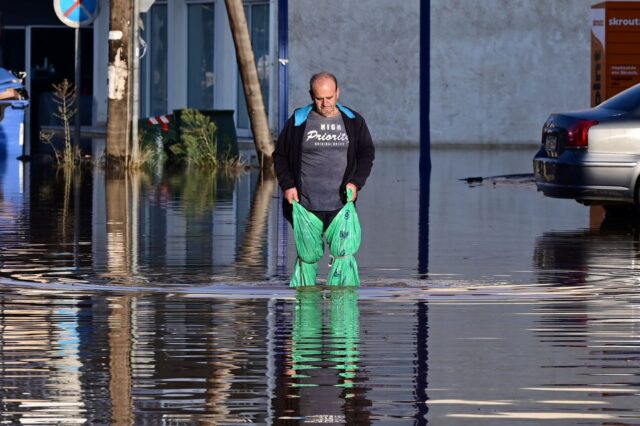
x,y
580,257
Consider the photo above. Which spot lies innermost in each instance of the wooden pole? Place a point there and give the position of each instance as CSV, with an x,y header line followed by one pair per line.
x,y
120,70
249,73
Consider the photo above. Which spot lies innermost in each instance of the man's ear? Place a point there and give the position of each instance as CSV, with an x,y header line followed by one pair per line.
x,y
337,93
311,95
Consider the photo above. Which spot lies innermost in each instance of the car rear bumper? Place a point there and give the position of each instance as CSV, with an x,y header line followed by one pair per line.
x,y
587,177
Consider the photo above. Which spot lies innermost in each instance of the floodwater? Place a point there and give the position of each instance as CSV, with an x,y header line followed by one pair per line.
x,y
161,298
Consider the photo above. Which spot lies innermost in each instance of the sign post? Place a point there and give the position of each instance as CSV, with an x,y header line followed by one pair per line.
x,y
77,14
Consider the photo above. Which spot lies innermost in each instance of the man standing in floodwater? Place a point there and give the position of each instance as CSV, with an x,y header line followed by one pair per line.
x,y
323,149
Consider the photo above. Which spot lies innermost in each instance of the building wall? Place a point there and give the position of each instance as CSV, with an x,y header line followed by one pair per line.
x,y
372,47
498,67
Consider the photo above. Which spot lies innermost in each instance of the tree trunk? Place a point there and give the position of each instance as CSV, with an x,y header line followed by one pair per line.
x,y
249,74
120,72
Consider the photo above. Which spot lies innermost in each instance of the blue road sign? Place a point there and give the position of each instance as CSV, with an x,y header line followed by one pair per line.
x,y
76,13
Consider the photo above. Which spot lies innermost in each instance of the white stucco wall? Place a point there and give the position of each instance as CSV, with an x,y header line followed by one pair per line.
x,y
498,67
373,48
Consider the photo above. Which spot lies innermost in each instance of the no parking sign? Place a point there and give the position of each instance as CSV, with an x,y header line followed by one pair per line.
x,y
76,13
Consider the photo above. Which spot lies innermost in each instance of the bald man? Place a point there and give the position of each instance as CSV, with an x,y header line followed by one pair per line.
x,y
323,149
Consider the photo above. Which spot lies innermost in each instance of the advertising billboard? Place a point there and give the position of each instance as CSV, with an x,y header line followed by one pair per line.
x,y
615,48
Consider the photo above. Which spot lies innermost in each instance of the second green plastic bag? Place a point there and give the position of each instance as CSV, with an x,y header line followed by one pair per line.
x,y
343,237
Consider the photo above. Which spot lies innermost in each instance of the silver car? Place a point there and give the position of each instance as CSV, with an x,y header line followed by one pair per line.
x,y
593,156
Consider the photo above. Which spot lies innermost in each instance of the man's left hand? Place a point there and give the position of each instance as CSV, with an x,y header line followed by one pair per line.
x,y
354,191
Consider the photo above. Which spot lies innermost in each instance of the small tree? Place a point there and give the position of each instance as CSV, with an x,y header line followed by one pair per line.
x,y
65,97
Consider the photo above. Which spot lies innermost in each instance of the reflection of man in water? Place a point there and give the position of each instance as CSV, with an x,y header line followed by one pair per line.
x,y
324,358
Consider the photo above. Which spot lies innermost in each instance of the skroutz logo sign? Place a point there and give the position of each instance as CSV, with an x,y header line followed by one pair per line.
x,y
623,22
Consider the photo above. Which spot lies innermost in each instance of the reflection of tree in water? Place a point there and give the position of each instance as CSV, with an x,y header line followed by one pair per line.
x,y
59,197
251,253
324,358
200,190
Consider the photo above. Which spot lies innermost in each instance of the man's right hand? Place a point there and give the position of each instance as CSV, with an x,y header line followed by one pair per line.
x,y
291,194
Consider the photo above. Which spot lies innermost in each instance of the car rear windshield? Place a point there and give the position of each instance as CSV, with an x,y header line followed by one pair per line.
x,y
627,101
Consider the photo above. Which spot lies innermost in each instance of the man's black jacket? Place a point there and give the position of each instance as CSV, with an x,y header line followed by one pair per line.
x,y
288,152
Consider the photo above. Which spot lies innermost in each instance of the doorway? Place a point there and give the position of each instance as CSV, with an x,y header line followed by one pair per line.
x,y
50,53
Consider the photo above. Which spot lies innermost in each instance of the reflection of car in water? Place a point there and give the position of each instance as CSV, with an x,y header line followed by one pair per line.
x,y
575,257
13,101
593,156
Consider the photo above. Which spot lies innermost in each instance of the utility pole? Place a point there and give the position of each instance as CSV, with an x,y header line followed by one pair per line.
x,y
249,74
135,82
120,77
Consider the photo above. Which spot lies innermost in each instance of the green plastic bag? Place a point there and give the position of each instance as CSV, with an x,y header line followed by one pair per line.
x,y
343,237
307,232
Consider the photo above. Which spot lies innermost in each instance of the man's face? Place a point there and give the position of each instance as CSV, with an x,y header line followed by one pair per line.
x,y
325,95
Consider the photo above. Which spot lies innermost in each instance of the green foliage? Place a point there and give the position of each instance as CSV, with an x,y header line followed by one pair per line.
x,y
192,141
148,136
151,150
199,140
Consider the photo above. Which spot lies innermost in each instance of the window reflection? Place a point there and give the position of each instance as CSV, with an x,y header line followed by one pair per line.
x,y
200,76
153,66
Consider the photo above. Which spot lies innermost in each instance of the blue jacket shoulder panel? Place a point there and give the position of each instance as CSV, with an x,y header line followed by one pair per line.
x,y
346,111
301,114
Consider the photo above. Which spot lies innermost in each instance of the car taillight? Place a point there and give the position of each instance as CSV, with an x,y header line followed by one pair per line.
x,y
577,133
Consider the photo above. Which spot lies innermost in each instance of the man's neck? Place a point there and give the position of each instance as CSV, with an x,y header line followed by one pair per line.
x,y
337,112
